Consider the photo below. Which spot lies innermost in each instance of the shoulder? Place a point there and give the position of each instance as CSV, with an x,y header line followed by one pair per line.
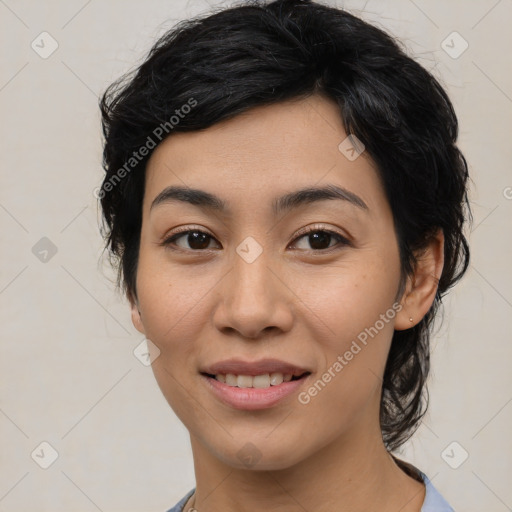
x,y
179,506
434,501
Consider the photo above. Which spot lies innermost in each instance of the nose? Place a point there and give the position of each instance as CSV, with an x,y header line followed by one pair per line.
x,y
254,300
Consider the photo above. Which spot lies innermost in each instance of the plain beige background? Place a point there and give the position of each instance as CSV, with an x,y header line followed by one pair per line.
x,y
69,376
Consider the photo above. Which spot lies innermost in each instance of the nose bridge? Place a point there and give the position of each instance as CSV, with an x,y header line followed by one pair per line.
x,y
252,274
253,299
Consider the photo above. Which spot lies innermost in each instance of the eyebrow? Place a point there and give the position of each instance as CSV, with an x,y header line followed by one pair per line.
x,y
287,202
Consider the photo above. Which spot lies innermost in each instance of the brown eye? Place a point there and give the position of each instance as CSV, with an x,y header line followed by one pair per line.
x,y
321,240
195,239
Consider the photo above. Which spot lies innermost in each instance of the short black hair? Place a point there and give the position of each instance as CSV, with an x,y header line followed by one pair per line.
x,y
221,64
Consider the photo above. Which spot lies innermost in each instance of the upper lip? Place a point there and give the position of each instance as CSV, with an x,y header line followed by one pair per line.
x,y
262,366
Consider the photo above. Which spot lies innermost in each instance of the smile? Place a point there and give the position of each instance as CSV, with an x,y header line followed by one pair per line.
x,y
253,392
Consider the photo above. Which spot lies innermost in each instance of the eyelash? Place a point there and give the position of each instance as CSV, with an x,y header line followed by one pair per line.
x,y
318,228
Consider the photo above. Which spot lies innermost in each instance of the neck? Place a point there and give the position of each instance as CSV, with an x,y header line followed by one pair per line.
x,y
353,472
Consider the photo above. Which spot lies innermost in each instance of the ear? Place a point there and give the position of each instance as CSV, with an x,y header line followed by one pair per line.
x,y
421,287
135,312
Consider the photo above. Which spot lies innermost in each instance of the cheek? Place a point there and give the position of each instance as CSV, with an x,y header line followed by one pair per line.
x,y
172,298
360,318
354,304
174,311
350,297
173,305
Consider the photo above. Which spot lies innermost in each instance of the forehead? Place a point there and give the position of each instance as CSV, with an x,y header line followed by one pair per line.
x,y
265,151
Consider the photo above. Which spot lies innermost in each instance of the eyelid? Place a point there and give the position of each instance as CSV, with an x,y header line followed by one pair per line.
x,y
189,227
319,227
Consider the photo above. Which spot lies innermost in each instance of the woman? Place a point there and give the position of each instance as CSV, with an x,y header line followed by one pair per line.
x,y
285,202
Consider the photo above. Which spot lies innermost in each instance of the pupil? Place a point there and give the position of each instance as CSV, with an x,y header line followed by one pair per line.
x,y
316,240
198,240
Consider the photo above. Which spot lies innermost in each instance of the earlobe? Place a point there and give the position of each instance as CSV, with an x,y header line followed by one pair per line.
x,y
136,316
422,286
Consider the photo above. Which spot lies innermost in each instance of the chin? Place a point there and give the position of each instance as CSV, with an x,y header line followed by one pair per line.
x,y
260,454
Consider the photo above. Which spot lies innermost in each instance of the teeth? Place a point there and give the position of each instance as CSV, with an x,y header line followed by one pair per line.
x,y
244,381
262,381
258,381
275,379
231,380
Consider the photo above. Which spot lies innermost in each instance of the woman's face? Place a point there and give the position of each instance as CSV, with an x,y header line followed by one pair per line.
x,y
255,287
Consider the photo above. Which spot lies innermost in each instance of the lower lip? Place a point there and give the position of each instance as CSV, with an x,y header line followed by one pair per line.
x,y
252,398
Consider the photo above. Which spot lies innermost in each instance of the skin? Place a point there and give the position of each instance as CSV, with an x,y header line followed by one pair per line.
x,y
295,302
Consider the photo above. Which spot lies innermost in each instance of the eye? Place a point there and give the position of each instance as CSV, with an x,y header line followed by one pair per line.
x,y
320,239
196,239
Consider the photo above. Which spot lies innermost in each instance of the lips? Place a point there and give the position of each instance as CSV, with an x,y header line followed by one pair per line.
x,y
260,367
253,385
